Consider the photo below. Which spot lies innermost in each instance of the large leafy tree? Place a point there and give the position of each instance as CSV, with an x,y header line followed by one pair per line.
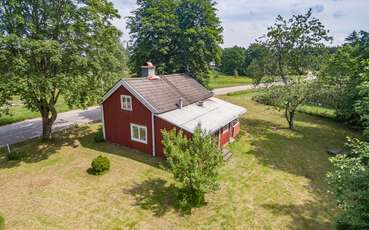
x,y
233,61
349,181
345,78
50,49
177,36
194,163
153,31
292,43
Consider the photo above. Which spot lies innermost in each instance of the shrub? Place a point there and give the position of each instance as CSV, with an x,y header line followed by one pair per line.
x,y
2,223
349,181
194,163
99,136
100,164
15,156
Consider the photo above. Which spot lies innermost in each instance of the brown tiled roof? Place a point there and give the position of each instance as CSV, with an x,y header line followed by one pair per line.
x,y
164,93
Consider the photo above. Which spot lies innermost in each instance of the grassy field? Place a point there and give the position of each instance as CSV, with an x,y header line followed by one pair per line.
x,y
219,80
274,180
20,113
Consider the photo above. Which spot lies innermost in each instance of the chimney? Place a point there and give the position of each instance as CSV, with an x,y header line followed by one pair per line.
x,y
180,103
148,70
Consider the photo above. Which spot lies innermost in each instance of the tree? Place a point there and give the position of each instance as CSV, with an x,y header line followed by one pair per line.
x,y
58,48
291,43
177,36
194,163
233,60
257,62
345,78
349,181
153,32
289,97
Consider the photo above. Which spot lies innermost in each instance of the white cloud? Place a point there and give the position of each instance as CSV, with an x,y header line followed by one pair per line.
x,y
245,20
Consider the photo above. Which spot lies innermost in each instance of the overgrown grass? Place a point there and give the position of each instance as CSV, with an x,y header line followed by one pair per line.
x,y
18,112
274,180
220,80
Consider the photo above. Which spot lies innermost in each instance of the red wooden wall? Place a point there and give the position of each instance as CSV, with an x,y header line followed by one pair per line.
x,y
224,137
160,124
117,121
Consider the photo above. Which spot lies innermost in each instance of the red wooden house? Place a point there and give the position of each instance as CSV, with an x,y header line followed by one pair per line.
x,y
135,111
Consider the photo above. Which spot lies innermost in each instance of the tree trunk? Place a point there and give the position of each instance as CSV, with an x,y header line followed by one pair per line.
x,y
290,115
49,114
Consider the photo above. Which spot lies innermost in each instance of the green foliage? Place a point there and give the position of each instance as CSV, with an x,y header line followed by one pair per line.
x,y
194,163
2,223
54,48
15,155
99,136
361,105
289,97
100,165
177,36
345,80
292,45
233,61
349,181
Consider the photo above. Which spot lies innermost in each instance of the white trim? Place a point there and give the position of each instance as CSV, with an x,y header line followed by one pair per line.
x,y
130,89
139,97
153,134
103,120
139,127
122,97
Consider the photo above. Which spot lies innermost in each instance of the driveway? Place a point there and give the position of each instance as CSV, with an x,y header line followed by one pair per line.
x,y
28,129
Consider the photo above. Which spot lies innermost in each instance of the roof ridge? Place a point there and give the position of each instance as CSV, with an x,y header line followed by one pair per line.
x,y
177,90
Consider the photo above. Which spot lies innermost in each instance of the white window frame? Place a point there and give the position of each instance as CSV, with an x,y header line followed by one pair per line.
x,y
225,130
122,104
139,127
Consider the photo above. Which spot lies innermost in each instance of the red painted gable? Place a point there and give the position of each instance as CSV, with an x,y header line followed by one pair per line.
x,y
117,121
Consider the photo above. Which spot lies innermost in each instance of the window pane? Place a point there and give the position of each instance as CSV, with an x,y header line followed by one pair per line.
x,y
135,132
142,134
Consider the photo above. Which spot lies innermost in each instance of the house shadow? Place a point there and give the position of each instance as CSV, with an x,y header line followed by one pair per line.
x,y
87,141
36,150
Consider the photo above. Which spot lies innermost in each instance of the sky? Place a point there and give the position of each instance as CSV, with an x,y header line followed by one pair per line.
x,y
244,21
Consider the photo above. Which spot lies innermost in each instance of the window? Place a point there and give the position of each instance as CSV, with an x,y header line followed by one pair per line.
x,y
126,102
139,133
225,128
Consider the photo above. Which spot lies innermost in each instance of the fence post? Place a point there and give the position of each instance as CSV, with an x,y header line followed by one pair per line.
x,y
7,145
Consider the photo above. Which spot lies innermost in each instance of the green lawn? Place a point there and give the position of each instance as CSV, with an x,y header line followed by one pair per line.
x,y
19,113
274,180
219,80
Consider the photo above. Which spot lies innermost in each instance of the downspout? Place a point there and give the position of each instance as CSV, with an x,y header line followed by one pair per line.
x,y
103,120
153,134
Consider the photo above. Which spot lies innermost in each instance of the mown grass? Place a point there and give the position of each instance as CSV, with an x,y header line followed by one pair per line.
x,y
274,180
220,80
18,112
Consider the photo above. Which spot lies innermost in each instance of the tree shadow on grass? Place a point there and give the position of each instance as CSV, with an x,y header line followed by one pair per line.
x,y
301,152
35,150
156,195
305,216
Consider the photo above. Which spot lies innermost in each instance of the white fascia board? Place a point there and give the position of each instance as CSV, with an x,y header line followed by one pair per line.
x,y
127,86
